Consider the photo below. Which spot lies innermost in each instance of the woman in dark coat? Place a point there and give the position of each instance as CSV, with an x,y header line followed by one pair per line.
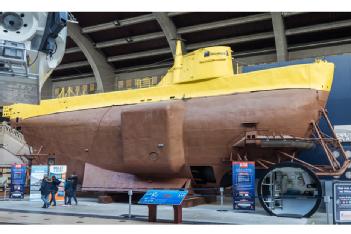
x,y
68,191
45,191
74,179
54,189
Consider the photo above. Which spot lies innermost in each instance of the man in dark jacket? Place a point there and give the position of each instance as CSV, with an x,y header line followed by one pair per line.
x,y
44,191
54,189
68,191
74,179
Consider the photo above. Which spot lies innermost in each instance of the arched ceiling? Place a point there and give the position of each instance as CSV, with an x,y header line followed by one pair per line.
x,y
138,40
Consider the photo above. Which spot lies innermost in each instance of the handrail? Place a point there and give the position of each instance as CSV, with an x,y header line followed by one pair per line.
x,y
4,128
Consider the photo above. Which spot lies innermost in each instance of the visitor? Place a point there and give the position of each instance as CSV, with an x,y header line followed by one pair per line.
x,y
54,189
74,179
44,191
68,191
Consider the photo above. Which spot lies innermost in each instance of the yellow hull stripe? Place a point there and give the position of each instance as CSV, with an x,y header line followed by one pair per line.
x,y
318,76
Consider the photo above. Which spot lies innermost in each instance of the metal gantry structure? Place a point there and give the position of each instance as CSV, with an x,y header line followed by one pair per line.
x,y
114,44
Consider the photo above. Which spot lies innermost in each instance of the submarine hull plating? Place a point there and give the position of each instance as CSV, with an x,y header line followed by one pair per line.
x,y
172,138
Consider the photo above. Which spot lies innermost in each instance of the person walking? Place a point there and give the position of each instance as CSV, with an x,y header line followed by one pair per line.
x,y
54,189
74,179
44,191
68,191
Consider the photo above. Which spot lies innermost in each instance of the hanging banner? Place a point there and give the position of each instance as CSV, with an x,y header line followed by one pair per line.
x,y
37,174
243,186
59,171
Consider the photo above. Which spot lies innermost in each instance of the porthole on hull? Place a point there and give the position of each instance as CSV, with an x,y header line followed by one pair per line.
x,y
291,190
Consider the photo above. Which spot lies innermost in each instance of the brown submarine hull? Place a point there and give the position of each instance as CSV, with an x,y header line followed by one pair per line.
x,y
164,139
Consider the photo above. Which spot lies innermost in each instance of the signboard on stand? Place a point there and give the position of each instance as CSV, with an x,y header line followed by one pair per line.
x,y
163,197
37,174
18,180
59,171
342,202
243,185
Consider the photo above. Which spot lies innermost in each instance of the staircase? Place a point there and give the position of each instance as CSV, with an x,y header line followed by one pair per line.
x,y
12,144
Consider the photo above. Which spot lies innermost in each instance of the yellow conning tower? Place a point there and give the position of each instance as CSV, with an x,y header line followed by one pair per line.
x,y
202,64
202,73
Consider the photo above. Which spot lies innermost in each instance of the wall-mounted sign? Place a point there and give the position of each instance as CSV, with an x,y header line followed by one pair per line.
x,y
342,202
77,90
137,83
163,197
243,185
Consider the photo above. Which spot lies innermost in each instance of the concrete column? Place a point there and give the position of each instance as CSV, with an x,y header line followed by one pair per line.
x,y
47,89
103,72
169,30
279,36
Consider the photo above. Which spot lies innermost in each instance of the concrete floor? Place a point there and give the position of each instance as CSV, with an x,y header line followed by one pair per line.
x,y
89,211
10,217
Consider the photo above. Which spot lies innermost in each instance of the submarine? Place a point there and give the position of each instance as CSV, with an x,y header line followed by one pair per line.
x,y
187,130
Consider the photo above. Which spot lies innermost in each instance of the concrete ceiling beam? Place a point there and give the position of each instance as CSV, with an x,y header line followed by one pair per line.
x,y
172,14
144,67
224,23
319,44
118,23
73,77
128,40
287,14
279,36
169,30
72,65
143,54
318,27
321,51
232,40
125,22
72,50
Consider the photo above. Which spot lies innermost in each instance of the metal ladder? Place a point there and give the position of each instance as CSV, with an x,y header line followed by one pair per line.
x,y
272,199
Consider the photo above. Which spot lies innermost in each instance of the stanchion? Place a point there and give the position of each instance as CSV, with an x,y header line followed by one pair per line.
x,y
328,195
221,190
130,194
327,201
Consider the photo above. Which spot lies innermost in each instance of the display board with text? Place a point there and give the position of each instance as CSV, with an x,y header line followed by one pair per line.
x,y
342,202
18,181
163,197
37,174
243,185
59,171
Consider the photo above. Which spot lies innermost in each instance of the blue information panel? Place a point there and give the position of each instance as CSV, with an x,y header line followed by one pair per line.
x,y
243,185
18,180
342,202
163,197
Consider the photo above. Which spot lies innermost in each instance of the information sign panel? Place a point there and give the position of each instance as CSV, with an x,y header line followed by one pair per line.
x,y
59,171
37,174
243,185
163,197
18,180
342,202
